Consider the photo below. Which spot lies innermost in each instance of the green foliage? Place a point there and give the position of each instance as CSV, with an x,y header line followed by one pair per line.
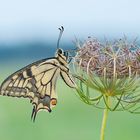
x,y
123,93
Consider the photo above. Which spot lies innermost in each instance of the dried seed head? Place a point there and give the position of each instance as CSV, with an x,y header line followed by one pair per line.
x,y
119,58
111,70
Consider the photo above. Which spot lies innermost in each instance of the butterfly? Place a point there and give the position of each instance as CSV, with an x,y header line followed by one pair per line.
x,y
37,81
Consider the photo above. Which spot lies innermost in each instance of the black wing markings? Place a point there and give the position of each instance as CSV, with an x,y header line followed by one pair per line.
x,y
19,72
13,84
28,66
17,77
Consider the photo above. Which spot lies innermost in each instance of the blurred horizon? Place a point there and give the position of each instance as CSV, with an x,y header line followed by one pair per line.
x,y
29,20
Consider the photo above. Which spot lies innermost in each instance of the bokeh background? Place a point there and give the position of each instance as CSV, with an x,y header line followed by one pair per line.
x,y
28,32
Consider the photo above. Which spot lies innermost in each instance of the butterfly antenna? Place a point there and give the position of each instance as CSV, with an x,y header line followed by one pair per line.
x,y
60,35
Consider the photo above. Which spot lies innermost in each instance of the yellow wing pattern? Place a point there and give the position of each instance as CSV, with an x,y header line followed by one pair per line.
x,y
37,82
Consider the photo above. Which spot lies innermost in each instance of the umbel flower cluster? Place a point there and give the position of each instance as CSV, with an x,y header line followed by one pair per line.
x,y
109,70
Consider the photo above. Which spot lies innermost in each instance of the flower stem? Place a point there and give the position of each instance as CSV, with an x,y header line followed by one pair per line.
x,y
104,121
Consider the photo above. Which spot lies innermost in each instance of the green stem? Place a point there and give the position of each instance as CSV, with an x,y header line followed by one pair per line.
x,y
104,121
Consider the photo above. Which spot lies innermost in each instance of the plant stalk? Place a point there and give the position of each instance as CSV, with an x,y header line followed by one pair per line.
x,y
104,121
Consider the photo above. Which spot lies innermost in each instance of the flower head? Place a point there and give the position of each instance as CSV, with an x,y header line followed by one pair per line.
x,y
109,70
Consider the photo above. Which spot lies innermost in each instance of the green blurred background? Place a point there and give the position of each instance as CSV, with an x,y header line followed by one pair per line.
x,y
70,119
28,32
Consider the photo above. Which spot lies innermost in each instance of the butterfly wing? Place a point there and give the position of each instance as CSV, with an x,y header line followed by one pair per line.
x,y
37,81
67,79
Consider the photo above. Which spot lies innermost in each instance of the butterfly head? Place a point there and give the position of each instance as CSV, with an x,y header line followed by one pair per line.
x,y
63,53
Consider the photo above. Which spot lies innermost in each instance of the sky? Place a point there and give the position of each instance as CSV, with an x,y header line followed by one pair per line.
x,y
29,20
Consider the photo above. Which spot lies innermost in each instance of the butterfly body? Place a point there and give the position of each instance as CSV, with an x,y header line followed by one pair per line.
x,y
37,82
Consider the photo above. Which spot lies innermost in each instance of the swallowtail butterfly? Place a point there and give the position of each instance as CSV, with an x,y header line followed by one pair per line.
x,y
37,81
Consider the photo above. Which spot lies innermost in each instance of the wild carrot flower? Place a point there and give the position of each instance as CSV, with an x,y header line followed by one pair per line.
x,y
109,75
